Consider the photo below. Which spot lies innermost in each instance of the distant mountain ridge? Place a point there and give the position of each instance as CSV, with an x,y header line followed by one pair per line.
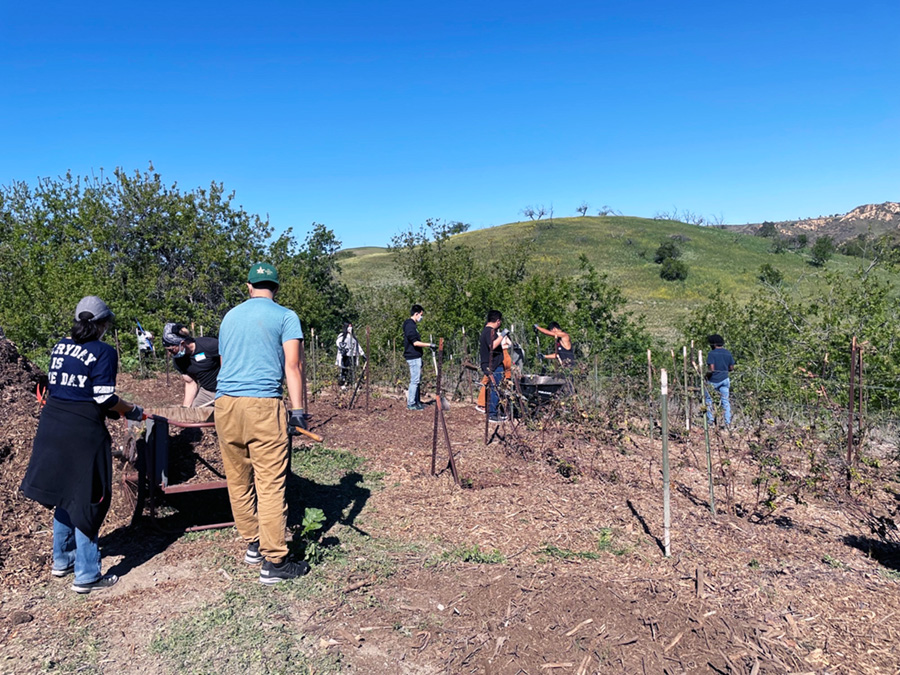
x,y
876,219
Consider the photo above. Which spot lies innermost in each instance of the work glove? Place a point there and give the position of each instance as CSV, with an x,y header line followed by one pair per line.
x,y
298,419
536,328
136,414
432,346
504,332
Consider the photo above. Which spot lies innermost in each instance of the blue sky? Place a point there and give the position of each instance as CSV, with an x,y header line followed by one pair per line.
x,y
370,117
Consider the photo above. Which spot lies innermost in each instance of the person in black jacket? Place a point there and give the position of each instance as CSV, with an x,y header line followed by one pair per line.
x,y
412,352
490,351
71,464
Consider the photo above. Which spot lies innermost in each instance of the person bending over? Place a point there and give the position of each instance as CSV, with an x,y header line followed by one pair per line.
x,y
197,359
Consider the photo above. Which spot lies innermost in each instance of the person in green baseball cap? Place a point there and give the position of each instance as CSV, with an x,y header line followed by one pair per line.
x,y
259,344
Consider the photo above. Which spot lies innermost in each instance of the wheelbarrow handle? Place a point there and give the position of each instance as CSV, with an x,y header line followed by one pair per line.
x,y
313,436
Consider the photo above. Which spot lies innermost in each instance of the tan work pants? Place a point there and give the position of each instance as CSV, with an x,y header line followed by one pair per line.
x,y
253,439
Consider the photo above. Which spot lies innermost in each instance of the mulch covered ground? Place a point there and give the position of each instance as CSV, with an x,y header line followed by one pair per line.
x,y
552,552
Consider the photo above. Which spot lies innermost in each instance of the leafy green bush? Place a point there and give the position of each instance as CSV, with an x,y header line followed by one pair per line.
x,y
770,275
822,251
673,270
667,250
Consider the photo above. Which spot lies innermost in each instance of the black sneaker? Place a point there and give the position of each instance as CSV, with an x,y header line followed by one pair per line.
x,y
496,419
285,571
64,572
253,556
105,581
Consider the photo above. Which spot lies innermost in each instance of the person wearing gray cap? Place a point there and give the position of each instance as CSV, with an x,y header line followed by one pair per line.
x,y
71,462
198,361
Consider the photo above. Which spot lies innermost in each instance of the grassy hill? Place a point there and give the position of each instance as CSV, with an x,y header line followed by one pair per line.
x,y
623,247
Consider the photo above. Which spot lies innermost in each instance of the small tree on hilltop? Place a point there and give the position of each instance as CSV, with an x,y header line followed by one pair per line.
x,y
767,229
582,209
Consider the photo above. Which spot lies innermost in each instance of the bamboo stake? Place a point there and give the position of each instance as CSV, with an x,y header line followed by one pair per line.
x,y
690,400
851,405
650,392
859,350
712,494
687,398
667,516
367,369
315,339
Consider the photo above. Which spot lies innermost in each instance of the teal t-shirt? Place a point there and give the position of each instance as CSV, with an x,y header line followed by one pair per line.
x,y
250,343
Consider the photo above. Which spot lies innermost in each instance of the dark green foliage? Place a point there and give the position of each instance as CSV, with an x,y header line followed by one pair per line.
x,y
802,241
310,281
152,251
767,229
666,250
779,245
792,350
457,288
673,270
770,275
822,251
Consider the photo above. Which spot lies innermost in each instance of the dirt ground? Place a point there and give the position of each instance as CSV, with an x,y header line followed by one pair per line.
x,y
549,559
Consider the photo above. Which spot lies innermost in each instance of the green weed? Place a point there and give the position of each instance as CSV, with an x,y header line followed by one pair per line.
x,y
834,563
566,554
249,631
607,542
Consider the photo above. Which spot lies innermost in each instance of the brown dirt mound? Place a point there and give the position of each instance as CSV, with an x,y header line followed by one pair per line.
x,y
19,379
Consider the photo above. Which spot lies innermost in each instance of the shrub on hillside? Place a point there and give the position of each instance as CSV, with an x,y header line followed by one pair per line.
x,y
822,251
673,270
770,275
666,250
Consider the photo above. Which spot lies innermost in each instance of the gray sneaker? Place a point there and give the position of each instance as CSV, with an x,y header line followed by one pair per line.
x,y
285,571
105,581
253,556
64,572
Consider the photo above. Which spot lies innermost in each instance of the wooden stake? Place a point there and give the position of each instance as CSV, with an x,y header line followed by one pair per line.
x,y
663,415
367,368
852,402
712,494
650,392
687,398
313,348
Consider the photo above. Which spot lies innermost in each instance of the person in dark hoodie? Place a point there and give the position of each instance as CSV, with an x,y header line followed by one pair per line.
x,y
71,463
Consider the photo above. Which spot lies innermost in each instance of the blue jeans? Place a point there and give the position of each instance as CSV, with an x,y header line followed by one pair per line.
x,y
415,376
723,388
72,546
495,390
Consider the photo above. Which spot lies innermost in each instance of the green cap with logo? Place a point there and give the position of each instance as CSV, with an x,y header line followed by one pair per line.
x,y
262,272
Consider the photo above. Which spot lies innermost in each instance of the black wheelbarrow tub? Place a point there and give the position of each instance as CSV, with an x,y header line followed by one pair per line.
x,y
543,387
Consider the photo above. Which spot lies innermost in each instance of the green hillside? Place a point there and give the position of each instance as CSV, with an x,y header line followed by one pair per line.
x,y
623,248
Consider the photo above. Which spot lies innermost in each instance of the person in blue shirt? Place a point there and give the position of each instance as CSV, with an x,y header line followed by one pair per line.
x,y
259,345
71,463
719,364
